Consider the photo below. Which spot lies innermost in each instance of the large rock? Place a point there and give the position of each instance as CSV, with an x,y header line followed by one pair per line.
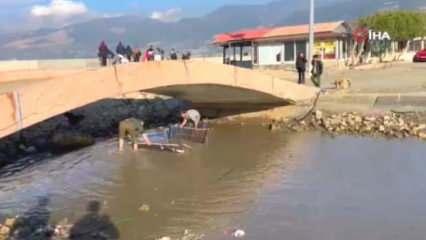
x,y
70,140
422,135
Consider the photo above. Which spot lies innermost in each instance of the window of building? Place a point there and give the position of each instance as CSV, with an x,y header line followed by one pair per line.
x,y
289,51
301,47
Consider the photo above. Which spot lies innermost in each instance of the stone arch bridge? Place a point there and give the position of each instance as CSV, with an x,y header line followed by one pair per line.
x,y
30,97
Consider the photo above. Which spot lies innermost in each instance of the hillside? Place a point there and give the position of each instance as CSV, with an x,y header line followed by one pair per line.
x,y
81,40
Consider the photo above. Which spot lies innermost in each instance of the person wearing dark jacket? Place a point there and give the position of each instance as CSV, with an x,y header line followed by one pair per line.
x,y
317,70
137,55
104,53
129,53
120,49
173,54
301,67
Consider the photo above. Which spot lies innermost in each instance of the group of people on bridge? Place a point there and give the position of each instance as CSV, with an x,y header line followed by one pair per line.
x,y
125,54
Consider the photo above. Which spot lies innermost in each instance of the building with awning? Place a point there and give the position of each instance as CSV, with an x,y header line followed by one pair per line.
x,y
280,45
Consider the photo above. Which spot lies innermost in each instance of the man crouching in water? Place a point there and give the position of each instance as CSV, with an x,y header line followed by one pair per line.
x,y
132,128
190,115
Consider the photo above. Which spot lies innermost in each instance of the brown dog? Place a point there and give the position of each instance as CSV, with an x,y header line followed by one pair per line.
x,y
343,83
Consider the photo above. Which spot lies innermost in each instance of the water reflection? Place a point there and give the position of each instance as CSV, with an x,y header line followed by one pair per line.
x,y
203,189
301,186
94,226
33,224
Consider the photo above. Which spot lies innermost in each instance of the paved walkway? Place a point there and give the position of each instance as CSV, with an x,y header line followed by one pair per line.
x,y
400,87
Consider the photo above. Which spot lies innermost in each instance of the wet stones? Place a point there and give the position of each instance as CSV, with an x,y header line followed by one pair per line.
x,y
6,228
389,125
69,140
12,228
62,229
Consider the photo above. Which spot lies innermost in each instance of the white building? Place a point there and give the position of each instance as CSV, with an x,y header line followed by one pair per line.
x,y
280,45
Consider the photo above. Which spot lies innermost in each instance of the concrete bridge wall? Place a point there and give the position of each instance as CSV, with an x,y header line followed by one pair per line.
x,y
49,93
80,63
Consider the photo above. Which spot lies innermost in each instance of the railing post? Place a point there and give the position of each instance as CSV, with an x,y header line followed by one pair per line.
x,y
19,117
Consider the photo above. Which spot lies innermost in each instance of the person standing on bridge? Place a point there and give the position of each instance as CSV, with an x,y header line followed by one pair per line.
x,y
137,55
191,115
173,54
317,70
129,53
149,54
104,53
301,67
120,49
131,129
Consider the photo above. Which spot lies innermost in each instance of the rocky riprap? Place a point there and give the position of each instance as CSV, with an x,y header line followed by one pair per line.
x,y
390,125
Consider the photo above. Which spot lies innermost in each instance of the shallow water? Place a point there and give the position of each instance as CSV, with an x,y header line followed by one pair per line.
x,y
272,185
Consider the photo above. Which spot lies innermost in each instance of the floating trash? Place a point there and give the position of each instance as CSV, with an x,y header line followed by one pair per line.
x,y
145,208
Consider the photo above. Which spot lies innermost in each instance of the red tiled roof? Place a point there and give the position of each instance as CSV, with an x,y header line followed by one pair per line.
x,y
301,29
285,31
250,34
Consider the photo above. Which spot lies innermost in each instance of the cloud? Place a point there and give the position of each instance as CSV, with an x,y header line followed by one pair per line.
x,y
59,9
170,15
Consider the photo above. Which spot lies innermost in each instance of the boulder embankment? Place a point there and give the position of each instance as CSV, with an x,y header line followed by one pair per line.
x,y
81,127
382,124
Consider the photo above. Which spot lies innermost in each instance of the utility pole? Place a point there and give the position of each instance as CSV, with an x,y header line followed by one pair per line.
x,y
311,32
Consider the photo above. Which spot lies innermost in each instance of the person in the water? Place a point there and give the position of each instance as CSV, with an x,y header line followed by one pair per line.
x,y
132,129
189,116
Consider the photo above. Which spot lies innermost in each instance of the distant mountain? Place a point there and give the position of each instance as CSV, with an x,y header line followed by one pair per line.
x,y
351,10
81,40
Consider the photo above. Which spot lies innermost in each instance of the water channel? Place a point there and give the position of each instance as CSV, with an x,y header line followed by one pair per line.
x,y
279,185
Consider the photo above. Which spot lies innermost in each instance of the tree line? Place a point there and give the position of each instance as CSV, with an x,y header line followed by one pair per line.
x,y
403,26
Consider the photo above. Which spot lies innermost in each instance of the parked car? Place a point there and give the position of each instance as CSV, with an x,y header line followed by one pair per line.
x,y
420,56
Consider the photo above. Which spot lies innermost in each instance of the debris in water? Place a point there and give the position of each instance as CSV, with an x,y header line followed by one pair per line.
x,y
189,235
145,208
238,233
165,238
63,229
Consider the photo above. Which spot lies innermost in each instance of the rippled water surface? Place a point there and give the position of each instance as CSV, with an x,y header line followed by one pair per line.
x,y
273,185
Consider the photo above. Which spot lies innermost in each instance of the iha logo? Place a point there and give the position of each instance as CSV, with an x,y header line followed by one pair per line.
x,y
374,36
364,34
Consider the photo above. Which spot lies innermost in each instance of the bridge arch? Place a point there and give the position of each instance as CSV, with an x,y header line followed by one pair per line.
x,y
201,82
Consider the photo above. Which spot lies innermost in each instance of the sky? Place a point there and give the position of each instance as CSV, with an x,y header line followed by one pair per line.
x,y
45,13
